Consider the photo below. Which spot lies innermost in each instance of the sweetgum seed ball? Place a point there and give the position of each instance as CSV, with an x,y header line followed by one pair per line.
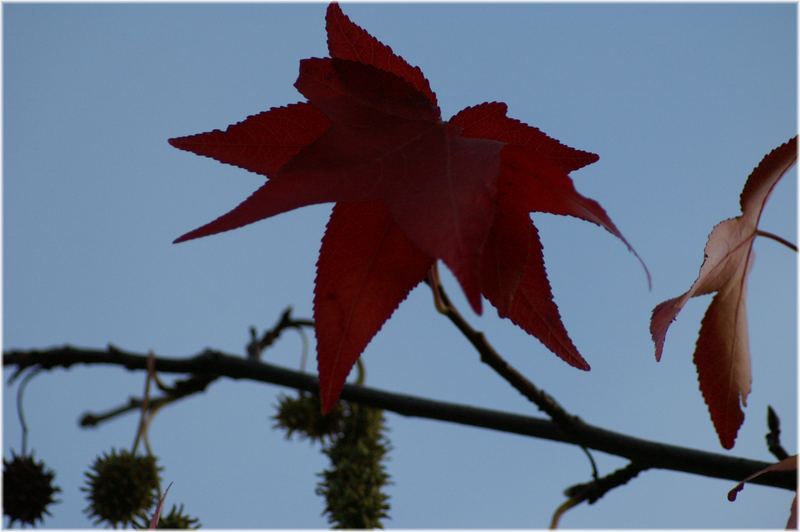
x,y
120,487
27,489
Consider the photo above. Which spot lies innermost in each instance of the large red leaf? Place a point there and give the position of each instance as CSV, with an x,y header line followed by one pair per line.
x,y
386,142
722,354
409,189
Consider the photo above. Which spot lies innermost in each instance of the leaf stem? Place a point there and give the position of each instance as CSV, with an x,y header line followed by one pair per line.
x,y
303,349
442,306
141,433
561,510
20,410
776,238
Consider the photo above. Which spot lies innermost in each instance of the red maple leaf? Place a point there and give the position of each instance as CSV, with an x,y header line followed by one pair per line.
x,y
722,354
409,188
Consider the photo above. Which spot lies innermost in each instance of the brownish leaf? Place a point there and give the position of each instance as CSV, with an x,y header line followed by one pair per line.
x,y
722,354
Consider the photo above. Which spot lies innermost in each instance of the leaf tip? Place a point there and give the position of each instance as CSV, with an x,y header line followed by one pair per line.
x,y
328,394
727,430
334,9
179,142
326,405
660,319
191,235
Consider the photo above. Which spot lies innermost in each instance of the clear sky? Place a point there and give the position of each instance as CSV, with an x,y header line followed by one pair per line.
x,y
680,102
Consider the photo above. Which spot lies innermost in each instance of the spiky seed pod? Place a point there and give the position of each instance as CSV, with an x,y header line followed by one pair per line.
x,y
27,489
302,415
174,520
120,487
353,485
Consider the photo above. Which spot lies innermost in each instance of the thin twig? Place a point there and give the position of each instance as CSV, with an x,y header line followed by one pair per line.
x,y
180,390
211,364
90,419
592,491
257,346
492,358
776,238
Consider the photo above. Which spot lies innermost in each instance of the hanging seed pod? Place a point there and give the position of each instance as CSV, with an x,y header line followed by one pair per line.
x,y
121,487
353,485
303,415
27,489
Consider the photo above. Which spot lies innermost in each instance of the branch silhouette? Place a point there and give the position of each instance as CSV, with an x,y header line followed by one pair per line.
x,y
211,364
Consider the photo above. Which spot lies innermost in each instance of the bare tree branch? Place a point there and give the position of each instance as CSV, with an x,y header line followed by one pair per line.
x,y
592,491
212,364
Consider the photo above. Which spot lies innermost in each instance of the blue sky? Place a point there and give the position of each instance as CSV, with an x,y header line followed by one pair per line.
x,y
680,102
